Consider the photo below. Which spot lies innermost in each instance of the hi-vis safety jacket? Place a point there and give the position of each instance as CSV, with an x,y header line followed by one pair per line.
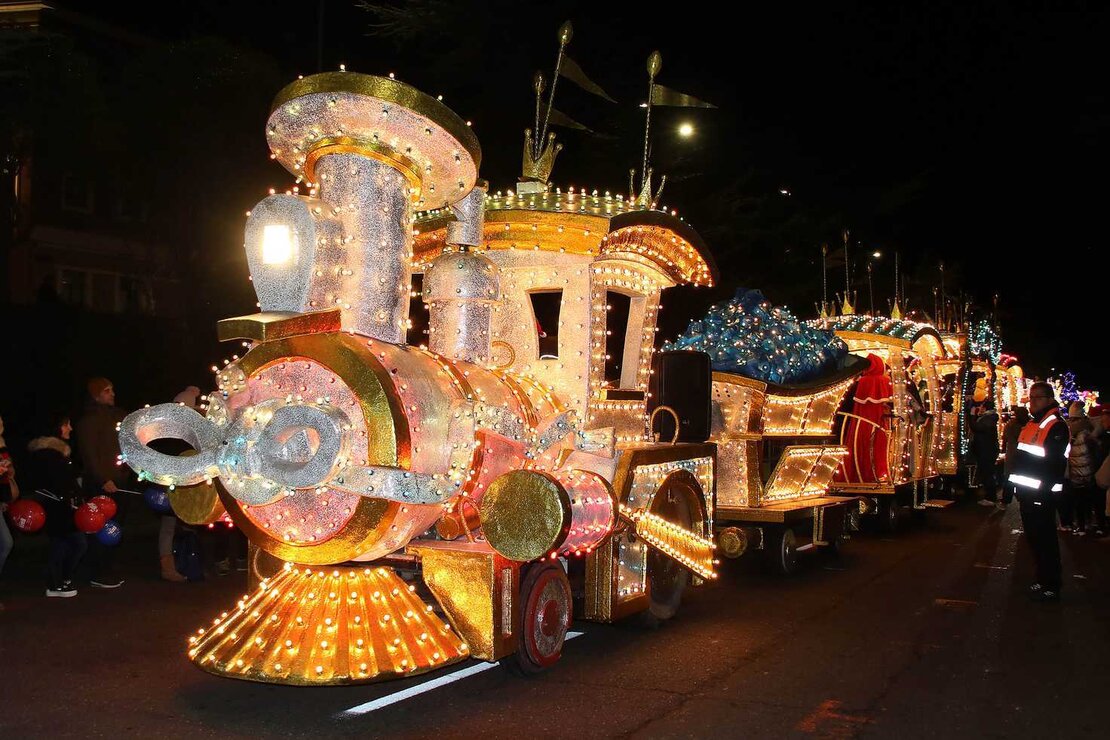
x,y
1041,460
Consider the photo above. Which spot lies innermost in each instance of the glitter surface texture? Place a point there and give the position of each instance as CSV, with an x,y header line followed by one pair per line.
x,y
363,263
281,278
173,421
460,289
470,212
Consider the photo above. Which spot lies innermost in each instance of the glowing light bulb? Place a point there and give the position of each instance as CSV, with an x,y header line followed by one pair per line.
x,y
277,244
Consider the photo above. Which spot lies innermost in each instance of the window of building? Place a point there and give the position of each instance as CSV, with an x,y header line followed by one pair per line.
x,y
77,194
103,292
134,295
73,286
546,305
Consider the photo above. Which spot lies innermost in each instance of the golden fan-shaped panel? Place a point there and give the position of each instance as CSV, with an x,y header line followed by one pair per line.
x,y
332,626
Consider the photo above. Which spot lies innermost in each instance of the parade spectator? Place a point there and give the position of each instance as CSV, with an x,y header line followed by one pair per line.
x,y
51,475
1100,449
1018,419
168,522
984,446
229,543
1080,487
98,443
9,492
1039,469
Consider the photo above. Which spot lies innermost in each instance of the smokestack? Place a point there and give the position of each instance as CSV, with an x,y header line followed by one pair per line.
x,y
371,151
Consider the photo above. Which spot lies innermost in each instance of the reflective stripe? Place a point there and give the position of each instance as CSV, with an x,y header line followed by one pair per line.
x,y
1067,450
1057,486
1048,420
1031,449
1024,480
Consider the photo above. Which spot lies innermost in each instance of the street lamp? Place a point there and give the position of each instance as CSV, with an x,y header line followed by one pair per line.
x,y
686,130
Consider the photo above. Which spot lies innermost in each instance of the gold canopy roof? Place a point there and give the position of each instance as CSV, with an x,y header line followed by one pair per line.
x,y
578,222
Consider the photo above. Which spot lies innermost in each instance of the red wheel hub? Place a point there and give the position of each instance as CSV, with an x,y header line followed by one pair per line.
x,y
547,613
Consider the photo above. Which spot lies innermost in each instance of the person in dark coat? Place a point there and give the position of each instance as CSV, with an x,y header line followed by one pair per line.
x,y
52,476
984,446
98,444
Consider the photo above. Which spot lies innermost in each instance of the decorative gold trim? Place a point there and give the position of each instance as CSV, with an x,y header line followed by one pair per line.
x,y
340,627
653,454
471,582
271,326
525,514
862,336
391,91
369,149
733,379
781,511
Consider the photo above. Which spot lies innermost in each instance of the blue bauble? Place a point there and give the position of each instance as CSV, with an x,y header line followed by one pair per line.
x,y
110,533
157,499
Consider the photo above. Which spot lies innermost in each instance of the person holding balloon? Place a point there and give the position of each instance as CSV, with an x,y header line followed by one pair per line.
x,y
9,492
103,476
52,476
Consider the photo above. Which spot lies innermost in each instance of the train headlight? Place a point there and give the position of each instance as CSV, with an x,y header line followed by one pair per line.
x,y
277,244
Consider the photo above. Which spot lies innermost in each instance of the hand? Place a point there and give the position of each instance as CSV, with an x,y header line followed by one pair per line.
x,y
109,487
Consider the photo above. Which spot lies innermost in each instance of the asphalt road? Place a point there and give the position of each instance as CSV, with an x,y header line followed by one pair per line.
x,y
924,634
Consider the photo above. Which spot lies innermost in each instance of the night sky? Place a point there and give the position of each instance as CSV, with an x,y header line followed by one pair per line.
x,y
973,133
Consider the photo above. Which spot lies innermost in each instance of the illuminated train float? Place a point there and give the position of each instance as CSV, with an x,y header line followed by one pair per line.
x,y
411,506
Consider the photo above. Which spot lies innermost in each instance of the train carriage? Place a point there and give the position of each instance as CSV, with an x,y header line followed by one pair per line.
x,y
777,453
898,441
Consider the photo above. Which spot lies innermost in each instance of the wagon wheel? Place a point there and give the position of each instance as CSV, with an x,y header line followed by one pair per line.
x,y
890,514
545,615
782,551
666,578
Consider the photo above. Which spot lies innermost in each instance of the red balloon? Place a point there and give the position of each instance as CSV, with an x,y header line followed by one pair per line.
x,y
89,518
106,505
26,515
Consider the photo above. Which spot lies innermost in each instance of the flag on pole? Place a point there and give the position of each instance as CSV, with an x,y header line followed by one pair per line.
x,y
661,95
574,73
558,118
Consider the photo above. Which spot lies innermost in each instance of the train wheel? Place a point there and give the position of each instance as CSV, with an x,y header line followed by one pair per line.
x,y
890,514
667,580
545,615
781,551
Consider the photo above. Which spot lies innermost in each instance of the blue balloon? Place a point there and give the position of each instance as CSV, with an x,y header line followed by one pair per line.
x,y
110,533
157,499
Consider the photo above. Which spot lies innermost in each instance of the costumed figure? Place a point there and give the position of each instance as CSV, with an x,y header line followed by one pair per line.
x,y
868,429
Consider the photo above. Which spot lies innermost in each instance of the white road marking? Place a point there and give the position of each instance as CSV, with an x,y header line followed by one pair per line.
x,y
435,683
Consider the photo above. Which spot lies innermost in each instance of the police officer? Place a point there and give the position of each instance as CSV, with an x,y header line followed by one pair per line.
x,y
1037,475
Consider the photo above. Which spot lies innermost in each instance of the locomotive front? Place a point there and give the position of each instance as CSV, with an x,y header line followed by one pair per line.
x,y
331,442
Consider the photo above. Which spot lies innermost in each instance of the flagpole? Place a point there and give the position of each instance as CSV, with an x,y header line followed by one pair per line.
x,y
537,85
847,268
654,64
566,31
